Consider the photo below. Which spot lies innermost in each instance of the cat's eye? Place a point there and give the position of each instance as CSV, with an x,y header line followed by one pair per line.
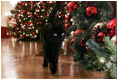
x,y
55,34
62,34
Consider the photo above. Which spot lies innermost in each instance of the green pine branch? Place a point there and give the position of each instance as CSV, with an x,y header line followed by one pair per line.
x,y
109,45
96,48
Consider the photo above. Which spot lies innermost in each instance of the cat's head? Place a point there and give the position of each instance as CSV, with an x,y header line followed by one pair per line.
x,y
57,30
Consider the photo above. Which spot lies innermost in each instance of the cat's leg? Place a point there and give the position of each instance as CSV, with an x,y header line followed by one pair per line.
x,y
45,64
57,60
53,68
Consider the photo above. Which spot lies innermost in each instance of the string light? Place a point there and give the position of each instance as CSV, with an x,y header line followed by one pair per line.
x,y
35,35
30,34
38,10
25,4
23,18
102,59
43,9
73,23
41,16
71,19
27,34
34,12
37,31
59,16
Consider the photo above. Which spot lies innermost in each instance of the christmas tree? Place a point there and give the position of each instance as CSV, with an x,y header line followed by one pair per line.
x,y
31,16
90,34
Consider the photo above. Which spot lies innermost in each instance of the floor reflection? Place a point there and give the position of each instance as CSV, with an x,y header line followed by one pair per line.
x,y
18,61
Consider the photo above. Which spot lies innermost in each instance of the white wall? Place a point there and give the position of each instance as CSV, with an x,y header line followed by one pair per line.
x,y
6,7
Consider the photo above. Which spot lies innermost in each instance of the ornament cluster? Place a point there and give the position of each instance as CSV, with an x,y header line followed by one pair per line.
x,y
97,33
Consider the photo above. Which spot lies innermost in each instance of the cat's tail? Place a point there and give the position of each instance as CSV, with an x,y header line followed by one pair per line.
x,y
41,36
53,12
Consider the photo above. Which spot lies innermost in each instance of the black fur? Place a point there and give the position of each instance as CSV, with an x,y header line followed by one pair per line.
x,y
52,36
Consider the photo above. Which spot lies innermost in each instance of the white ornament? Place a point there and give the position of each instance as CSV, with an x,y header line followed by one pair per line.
x,y
7,33
35,35
30,34
34,12
72,34
27,34
71,19
43,9
30,28
37,31
25,4
20,20
113,39
38,10
73,23
33,27
23,18
59,16
21,24
68,13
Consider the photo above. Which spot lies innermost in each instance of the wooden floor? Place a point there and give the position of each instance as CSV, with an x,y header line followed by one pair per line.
x,y
18,61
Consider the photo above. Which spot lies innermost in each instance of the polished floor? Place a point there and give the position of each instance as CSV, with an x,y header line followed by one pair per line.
x,y
18,61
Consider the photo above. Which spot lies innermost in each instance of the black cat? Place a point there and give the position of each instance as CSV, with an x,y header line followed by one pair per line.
x,y
52,35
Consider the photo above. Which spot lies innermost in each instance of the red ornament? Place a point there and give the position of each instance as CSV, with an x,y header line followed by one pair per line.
x,y
48,2
29,22
62,15
78,31
66,25
48,14
40,22
101,35
23,4
72,6
82,43
91,11
41,3
37,14
25,23
10,17
19,6
111,28
31,2
73,40
44,7
66,21
67,17
33,33
64,11
22,36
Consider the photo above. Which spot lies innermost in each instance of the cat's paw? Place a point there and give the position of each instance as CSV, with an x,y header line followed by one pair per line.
x,y
53,69
45,65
